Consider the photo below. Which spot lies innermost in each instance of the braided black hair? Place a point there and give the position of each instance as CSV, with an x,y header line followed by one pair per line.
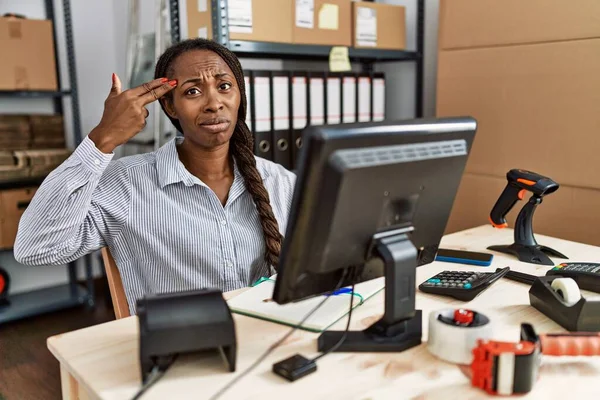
x,y
242,140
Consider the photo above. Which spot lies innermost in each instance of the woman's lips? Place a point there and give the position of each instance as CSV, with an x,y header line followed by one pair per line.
x,y
215,125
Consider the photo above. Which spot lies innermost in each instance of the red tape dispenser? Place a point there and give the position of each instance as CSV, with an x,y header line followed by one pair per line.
x,y
504,368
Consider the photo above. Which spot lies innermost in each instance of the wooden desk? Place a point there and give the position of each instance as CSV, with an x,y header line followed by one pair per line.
x,y
102,361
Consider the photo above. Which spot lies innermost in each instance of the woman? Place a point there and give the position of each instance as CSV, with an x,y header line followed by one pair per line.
x,y
202,211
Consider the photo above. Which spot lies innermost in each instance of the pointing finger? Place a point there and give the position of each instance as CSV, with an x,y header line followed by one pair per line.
x,y
159,92
148,86
116,85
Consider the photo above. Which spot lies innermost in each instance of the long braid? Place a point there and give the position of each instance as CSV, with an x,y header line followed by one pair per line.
x,y
242,140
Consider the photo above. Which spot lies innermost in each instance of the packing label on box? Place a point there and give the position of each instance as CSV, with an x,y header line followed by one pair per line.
x,y
366,26
305,13
240,16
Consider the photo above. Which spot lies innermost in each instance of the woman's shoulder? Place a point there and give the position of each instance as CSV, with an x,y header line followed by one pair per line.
x,y
270,170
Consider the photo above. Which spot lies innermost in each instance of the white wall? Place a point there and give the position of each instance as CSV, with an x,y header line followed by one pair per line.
x,y
100,33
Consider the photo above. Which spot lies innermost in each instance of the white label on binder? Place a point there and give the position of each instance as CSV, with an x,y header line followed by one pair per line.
x,y
262,107
203,32
202,6
317,106
299,93
334,89
366,26
305,13
349,114
364,99
281,103
248,96
240,16
378,100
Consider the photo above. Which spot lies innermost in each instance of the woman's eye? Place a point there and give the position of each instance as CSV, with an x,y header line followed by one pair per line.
x,y
192,91
225,86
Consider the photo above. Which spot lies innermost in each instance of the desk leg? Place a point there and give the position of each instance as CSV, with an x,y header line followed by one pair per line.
x,y
70,387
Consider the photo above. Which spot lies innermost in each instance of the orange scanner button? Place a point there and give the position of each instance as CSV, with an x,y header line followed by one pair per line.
x,y
526,181
521,194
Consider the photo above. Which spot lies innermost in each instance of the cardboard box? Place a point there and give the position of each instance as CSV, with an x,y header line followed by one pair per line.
x,y
47,132
12,205
252,20
483,23
324,22
536,105
27,49
569,213
15,132
381,26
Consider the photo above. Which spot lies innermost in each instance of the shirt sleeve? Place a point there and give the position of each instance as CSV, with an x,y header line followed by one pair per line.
x,y
78,206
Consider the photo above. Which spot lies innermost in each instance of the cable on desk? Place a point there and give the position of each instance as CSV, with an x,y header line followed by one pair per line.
x,y
341,341
153,377
276,344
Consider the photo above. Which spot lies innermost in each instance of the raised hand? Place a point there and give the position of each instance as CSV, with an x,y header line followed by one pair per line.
x,y
125,112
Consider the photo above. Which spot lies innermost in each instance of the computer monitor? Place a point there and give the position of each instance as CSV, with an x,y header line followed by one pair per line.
x,y
371,200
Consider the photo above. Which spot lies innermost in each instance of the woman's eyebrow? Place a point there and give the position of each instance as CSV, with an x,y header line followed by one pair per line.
x,y
199,79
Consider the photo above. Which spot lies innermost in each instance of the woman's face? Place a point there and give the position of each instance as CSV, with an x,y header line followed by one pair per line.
x,y
206,99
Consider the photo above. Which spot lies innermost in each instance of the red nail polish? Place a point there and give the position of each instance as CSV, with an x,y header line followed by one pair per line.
x,y
163,80
173,82
114,77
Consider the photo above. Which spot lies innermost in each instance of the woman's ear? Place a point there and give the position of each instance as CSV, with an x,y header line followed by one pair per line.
x,y
168,105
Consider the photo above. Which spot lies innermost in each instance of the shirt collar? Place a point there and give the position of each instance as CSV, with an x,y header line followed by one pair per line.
x,y
171,170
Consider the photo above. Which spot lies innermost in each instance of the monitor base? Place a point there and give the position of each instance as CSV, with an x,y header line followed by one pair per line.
x,y
377,338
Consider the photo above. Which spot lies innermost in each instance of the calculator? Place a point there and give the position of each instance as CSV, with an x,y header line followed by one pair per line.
x,y
461,285
587,275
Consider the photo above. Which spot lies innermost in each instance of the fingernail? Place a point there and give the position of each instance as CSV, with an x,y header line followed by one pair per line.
x,y
173,82
113,76
163,80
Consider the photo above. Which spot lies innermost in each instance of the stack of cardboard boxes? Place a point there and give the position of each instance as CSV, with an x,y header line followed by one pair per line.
x,y
529,72
320,22
30,146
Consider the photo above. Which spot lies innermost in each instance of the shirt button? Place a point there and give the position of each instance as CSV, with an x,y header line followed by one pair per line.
x,y
97,162
223,222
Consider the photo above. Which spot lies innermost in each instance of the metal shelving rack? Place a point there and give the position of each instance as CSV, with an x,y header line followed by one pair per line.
x,y
36,302
366,57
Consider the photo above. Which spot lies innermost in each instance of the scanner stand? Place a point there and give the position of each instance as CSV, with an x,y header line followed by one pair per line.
x,y
185,322
525,247
400,328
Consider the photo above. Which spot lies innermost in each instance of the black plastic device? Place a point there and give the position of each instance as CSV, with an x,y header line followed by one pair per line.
x,y
464,257
586,275
583,316
397,181
295,367
461,285
525,247
184,322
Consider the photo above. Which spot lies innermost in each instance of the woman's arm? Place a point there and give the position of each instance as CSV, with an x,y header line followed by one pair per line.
x,y
81,203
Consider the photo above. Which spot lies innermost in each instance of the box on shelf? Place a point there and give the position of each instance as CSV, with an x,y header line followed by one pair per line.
x,y
476,23
378,26
252,20
15,132
27,49
47,132
41,162
12,205
322,22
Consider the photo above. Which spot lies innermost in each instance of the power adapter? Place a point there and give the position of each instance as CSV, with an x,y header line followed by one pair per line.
x,y
295,367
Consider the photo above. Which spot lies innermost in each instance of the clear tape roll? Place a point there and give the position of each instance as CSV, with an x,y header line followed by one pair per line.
x,y
567,289
454,343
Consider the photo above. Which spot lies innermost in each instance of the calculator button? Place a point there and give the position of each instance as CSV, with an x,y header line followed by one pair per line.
x,y
460,285
467,286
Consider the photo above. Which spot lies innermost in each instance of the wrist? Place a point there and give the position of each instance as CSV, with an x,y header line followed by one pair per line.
x,y
102,141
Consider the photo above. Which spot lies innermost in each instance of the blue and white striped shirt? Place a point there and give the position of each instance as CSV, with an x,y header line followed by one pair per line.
x,y
165,228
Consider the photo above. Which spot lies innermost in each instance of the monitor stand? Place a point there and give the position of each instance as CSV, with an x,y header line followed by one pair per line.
x,y
400,328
